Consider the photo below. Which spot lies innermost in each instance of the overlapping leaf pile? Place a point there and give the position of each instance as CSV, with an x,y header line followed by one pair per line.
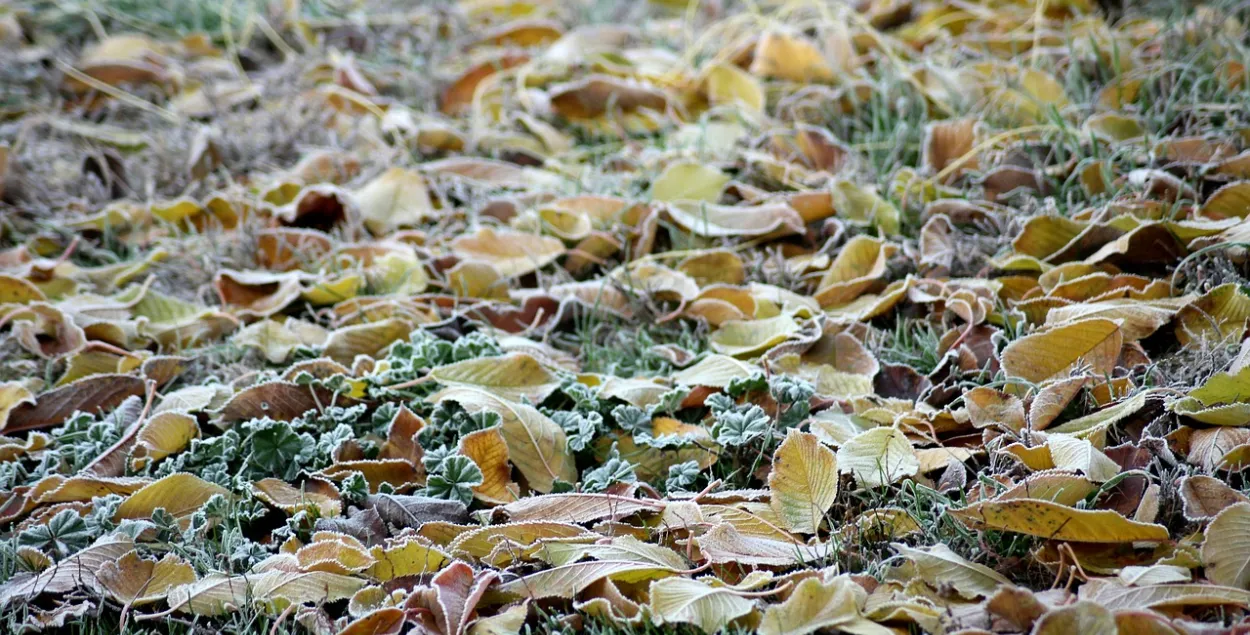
x,y
496,316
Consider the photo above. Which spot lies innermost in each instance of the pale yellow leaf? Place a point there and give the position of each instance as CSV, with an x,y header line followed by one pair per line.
x,y
683,600
1226,549
803,481
815,605
941,567
689,181
877,457
513,376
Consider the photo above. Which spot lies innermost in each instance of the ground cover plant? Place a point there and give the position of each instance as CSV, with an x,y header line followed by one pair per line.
x,y
537,316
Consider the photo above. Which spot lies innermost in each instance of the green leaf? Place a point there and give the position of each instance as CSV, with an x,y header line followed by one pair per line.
x,y
276,448
734,428
64,534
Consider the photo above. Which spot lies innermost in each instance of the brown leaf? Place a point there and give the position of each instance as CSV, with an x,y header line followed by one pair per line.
x,y
279,400
414,511
591,96
94,394
1204,497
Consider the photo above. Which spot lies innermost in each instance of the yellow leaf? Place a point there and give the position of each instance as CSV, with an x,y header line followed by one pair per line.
x,y
1095,424
746,338
1057,522
860,265
1138,319
1230,201
1117,597
489,451
728,84
622,548
790,57
513,376
1093,343
863,205
1154,574
992,408
213,594
334,553
803,482
180,494
481,543
1223,399
725,543
715,371
719,266
1051,401
407,556
372,338
877,457
1113,127
689,181
217,594
78,571
815,605
276,341
476,279
566,223
397,272
510,621
395,198
1071,453
162,435
12,395
19,291
333,291
578,508
1219,315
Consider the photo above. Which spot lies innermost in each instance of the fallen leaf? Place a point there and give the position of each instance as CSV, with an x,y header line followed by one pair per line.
x,y
941,567
877,457
1093,343
803,482
515,376
536,445
815,605
1226,548
1057,522
683,600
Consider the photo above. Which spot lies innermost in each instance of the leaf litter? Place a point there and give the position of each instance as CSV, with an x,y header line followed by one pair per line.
x,y
505,316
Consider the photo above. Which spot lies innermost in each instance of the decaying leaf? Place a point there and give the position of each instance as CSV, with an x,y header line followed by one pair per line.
x,y
481,319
